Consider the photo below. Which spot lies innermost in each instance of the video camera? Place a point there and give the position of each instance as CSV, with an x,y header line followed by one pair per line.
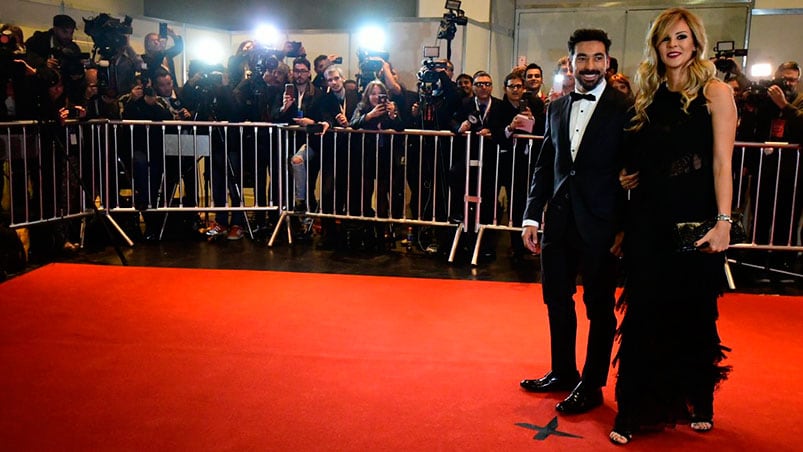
x,y
108,34
371,61
723,52
211,75
450,20
9,50
431,74
263,59
71,63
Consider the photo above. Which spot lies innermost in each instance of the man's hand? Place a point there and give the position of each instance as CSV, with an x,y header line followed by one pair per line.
x,y
303,121
616,249
628,181
137,92
342,120
529,235
777,96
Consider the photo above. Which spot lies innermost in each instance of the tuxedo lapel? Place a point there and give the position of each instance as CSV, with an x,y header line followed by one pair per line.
x,y
565,132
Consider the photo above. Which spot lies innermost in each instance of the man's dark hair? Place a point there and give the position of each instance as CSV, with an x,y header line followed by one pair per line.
x,y
462,76
533,66
301,60
157,74
513,75
589,34
319,58
614,65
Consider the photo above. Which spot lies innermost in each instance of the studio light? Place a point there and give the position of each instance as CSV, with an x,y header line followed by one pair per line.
x,y
761,70
371,37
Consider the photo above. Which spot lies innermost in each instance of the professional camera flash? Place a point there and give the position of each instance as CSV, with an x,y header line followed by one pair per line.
x,y
209,51
268,35
371,37
761,70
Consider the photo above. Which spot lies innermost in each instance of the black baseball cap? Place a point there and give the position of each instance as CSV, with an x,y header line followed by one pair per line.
x,y
63,20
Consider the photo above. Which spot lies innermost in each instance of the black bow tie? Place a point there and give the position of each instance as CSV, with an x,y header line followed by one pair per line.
x,y
577,96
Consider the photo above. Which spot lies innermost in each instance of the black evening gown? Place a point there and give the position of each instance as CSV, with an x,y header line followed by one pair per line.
x,y
669,348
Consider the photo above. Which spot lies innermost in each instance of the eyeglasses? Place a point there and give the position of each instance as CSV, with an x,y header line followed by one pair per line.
x,y
516,86
483,84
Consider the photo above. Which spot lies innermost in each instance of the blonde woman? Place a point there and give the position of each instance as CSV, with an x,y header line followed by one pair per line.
x,y
678,170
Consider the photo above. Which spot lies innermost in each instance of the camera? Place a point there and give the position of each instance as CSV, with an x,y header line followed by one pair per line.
x,y
263,59
294,50
757,91
211,75
383,98
162,30
338,60
108,33
71,63
431,75
371,63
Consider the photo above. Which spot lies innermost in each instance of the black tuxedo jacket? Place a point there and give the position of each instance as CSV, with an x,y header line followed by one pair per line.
x,y
587,188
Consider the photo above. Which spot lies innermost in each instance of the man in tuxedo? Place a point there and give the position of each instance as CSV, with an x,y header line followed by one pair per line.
x,y
576,176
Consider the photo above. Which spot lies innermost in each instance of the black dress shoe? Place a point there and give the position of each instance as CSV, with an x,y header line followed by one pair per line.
x,y
581,400
550,382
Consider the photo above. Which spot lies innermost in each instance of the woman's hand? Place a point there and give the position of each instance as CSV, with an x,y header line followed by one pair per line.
x,y
628,181
376,112
717,239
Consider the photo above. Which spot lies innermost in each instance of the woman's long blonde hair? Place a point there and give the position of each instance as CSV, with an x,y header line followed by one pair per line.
x,y
652,71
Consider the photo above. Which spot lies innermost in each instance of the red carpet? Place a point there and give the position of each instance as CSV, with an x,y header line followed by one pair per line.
x,y
114,358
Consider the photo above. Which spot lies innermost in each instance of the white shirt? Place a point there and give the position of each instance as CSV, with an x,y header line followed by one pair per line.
x,y
581,111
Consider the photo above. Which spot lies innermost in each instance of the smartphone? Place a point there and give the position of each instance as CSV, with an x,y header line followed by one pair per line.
x,y
338,60
383,98
162,30
290,90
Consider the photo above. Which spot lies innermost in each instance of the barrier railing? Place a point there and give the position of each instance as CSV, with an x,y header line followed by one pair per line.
x,y
767,180
412,177
364,175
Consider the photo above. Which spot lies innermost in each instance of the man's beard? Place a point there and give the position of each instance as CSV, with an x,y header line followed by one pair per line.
x,y
586,86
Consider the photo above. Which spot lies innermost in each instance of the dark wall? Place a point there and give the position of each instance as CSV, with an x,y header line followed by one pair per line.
x,y
286,14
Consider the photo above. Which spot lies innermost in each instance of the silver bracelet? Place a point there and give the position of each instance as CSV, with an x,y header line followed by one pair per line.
x,y
724,217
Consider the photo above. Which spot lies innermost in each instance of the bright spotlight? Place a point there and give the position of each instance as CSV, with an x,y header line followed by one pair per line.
x,y
268,35
209,51
371,37
761,70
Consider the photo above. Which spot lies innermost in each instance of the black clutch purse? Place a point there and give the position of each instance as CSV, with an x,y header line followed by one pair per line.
x,y
689,232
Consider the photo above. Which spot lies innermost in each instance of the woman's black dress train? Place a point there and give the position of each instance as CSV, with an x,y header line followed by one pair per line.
x,y
669,348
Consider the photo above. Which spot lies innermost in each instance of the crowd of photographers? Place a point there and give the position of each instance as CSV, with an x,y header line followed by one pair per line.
x,y
47,78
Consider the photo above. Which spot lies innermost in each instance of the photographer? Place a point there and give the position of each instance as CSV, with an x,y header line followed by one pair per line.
x,y
207,96
334,110
477,115
18,78
321,63
515,116
377,112
774,112
257,97
433,108
55,49
157,55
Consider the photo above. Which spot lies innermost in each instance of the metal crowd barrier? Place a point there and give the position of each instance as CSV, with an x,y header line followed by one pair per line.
x,y
362,175
767,180
49,172
510,171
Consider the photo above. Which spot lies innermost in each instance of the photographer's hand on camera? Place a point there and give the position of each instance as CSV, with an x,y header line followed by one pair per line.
x,y
777,96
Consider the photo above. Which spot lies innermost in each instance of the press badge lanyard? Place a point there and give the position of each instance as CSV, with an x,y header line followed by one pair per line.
x,y
487,108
